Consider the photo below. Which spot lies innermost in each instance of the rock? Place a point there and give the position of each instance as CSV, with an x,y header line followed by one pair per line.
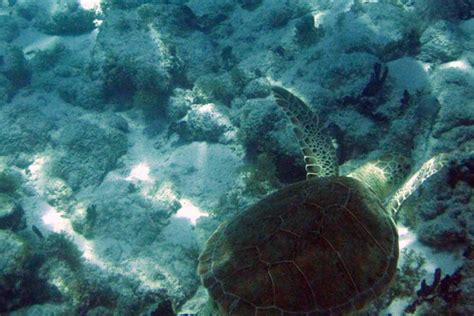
x,y
179,104
203,165
177,256
444,232
28,9
23,128
371,27
42,309
8,28
57,193
22,160
250,4
14,68
465,305
67,18
262,130
454,88
118,122
10,180
440,43
134,71
219,89
86,153
257,88
136,216
13,252
204,122
443,207
450,10
408,73
11,213
212,7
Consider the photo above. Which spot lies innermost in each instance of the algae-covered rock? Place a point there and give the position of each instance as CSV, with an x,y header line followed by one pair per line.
x,y
9,29
67,18
23,128
454,88
10,179
11,212
13,67
179,104
443,210
257,88
42,309
86,153
262,130
138,67
13,253
441,43
258,126
204,122
443,233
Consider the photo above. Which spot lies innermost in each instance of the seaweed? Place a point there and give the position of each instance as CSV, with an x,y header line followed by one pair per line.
x,y
445,288
405,100
37,232
377,80
367,102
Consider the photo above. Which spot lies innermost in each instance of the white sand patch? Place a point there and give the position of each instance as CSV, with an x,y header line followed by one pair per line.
x,y
90,4
141,172
190,211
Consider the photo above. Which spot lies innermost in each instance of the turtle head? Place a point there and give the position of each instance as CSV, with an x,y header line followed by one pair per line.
x,y
384,175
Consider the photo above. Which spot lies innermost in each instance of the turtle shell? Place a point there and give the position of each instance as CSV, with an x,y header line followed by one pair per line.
x,y
324,246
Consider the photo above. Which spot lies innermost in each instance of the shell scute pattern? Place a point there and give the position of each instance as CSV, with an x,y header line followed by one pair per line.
x,y
322,246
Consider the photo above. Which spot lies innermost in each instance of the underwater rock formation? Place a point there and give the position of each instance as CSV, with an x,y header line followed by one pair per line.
x,y
88,153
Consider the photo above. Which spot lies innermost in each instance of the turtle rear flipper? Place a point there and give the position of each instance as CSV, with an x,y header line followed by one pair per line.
x,y
318,149
428,169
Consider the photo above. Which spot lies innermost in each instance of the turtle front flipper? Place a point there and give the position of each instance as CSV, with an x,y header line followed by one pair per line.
x,y
318,149
428,169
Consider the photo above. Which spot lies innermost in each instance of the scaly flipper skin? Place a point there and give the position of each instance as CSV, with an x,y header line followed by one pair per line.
x,y
428,169
318,150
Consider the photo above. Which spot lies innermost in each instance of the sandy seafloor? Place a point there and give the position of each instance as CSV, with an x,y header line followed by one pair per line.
x,y
129,129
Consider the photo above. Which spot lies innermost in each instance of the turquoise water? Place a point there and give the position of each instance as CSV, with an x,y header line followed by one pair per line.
x,y
131,130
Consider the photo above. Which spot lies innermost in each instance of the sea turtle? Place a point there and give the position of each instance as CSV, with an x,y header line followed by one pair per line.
x,y
327,245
